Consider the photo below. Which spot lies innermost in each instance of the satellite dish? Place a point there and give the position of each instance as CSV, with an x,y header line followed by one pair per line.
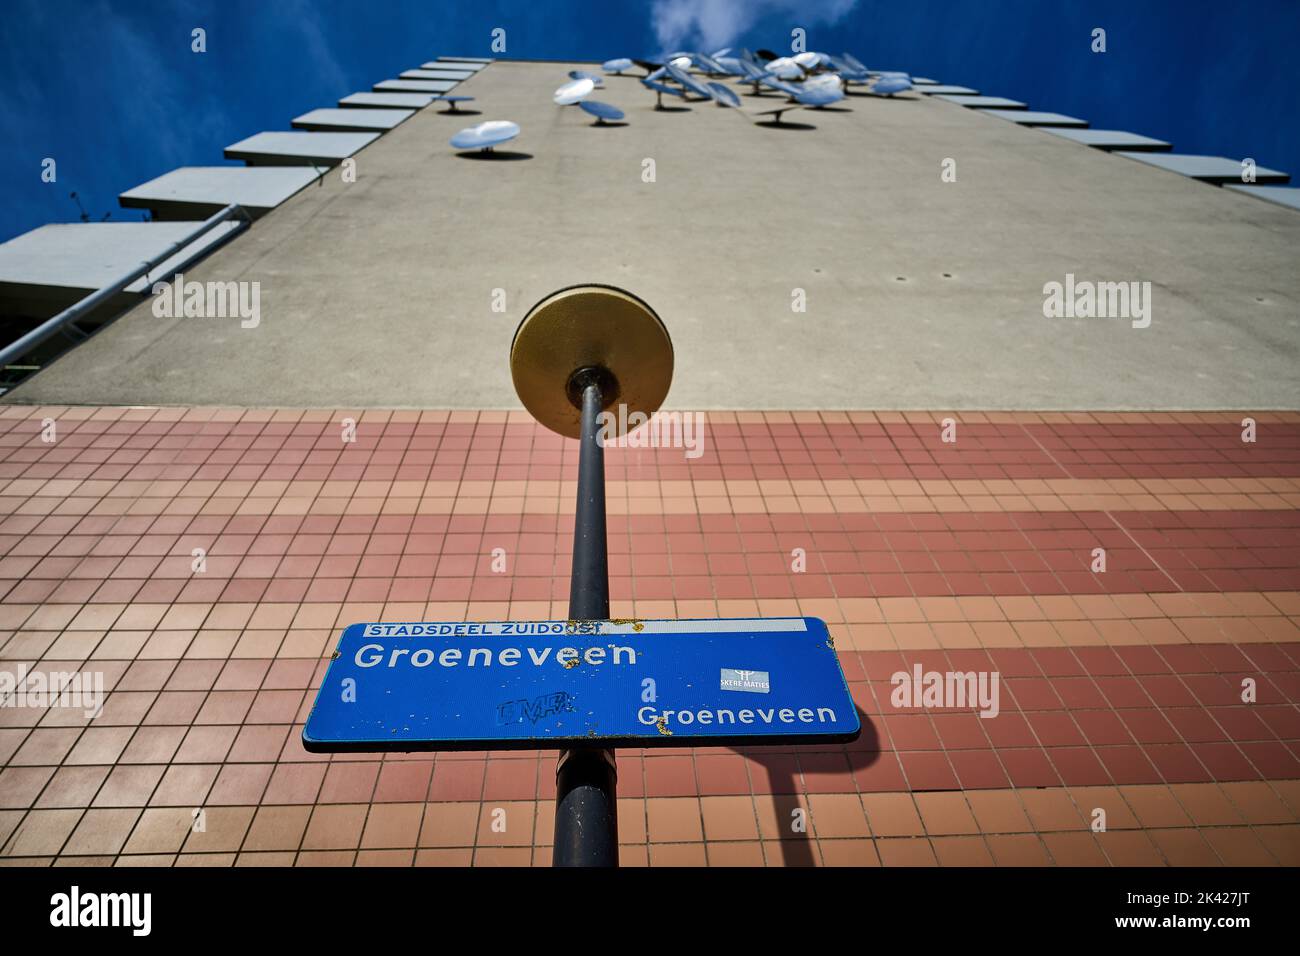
x,y
765,55
808,60
724,95
786,68
602,111
823,81
485,135
584,75
853,61
718,54
819,96
681,62
846,70
574,91
688,81
452,101
780,86
617,66
889,85
708,64
660,89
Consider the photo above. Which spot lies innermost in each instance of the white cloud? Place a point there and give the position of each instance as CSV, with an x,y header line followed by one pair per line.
x,y
709,24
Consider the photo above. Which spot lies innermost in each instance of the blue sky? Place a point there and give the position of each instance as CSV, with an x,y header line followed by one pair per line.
x,y
112,91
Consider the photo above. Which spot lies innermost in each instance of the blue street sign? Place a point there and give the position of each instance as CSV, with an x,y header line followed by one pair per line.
x,y
513,685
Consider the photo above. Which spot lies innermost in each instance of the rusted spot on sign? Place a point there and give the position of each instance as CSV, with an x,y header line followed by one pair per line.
x,y
636,625
661,725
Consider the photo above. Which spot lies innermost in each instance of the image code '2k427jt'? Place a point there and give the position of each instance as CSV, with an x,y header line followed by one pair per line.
x,y
554,684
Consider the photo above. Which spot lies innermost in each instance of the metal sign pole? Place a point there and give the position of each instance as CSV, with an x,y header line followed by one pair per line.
x,y
575,352
586,778
405,686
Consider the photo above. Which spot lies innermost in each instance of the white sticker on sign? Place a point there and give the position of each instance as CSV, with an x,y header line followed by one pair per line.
x,y
755,682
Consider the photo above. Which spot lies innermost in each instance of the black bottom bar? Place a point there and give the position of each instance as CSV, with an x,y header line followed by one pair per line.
x,y
927,908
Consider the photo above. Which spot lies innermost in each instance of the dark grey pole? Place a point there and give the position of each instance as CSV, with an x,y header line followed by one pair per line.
x,y
586,806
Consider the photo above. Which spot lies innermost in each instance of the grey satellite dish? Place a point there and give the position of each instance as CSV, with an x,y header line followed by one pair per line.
x,y
709,65
584,75
789,89
724,95
574,91
770,80
617,65
660,89
688,81
602,111
731,65
452,102
848,72
889,85
749,73
485,135
853,61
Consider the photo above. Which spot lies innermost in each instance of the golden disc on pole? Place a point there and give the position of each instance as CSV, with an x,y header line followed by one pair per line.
x,y
600,329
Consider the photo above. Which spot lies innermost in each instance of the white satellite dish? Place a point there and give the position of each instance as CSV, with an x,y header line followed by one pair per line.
x,y
617,65
810,60
819,96
682,62
485,135
573,91
785,68
824,81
